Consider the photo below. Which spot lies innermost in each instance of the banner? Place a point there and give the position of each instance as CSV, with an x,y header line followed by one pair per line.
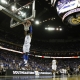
x,y
66,5
78,3
25,72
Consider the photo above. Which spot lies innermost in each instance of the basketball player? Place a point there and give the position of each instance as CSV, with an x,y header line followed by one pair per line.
x,y
54,67
53,2
79,69
27,41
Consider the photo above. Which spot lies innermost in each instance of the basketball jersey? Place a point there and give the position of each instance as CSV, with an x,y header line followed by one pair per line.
x,y
53,62
27,39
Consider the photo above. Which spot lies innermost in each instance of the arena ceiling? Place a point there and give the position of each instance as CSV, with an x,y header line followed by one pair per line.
x,y
47,15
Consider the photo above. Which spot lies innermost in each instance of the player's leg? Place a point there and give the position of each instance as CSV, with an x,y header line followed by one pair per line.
x,y
26,49
53,73
54,70
25,57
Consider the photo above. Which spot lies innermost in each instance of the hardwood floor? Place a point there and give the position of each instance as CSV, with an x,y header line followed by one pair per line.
x,y
74,77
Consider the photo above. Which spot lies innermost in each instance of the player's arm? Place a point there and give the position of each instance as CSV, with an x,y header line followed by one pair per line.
x,y
23,23
26,26
56,62
25,31
28,22
30,27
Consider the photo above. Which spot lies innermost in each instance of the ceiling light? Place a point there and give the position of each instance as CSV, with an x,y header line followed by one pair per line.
x,y
57,28
46,28
50,28
60,29
32,19
37,22
28,7
13,8
43,21
22,14
4,2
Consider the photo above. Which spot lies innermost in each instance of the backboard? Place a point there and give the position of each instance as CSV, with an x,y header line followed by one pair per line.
x,y
18,13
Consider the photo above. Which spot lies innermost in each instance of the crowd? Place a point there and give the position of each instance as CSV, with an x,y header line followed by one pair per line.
x,y
14,61
48,49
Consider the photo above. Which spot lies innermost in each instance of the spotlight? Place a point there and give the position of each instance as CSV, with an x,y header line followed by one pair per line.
x,y
57,29
60,29
50,29
37,22
13,8
27,7
22,14
46,28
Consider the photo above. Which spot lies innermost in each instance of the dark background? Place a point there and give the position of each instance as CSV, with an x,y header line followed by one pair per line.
x,y
44,11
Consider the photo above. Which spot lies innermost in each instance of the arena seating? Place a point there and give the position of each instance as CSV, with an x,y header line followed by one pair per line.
x,y
12,60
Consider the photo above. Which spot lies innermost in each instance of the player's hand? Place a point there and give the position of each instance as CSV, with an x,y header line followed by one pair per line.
x,y
22,53
28,22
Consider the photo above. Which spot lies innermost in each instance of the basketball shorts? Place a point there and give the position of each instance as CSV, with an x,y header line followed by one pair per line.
x,y
54,67
26,48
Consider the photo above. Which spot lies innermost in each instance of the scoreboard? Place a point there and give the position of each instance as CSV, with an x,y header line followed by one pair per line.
x,y
69,11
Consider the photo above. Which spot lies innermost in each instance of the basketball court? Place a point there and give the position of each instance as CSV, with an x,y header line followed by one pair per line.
x,y
18,19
